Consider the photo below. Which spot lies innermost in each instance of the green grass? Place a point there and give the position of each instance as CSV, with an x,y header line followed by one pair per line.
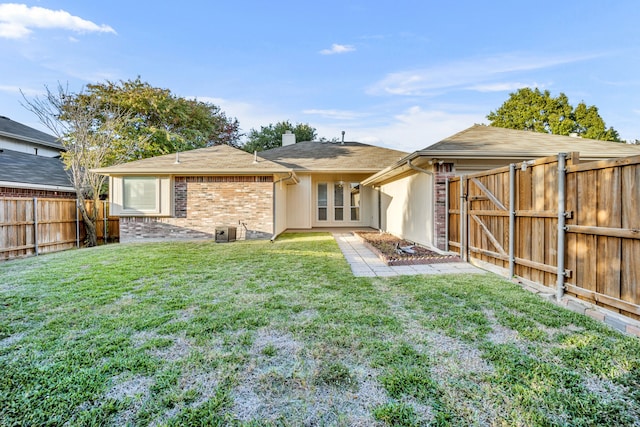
x,y
259,333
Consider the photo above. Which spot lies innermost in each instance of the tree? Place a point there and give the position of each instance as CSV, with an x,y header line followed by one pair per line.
x,y
271,136
90,134
537,111
163,123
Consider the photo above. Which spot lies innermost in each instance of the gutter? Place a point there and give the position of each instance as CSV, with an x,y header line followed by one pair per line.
x,y
291,176
417,169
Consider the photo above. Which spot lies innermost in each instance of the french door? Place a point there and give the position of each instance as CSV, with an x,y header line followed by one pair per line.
x,y
337,203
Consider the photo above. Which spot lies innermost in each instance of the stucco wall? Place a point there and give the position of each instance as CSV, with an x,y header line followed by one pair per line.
x,y
407,208
203,203
299,203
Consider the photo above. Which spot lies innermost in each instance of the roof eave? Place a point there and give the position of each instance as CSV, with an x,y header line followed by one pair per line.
x,y
33,140
115,172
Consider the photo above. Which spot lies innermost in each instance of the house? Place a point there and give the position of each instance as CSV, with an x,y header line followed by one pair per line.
x,y
30,164
413,188
312,185
296,186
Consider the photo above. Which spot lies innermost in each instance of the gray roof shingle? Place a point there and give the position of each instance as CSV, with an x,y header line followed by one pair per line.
x,y
17,130
31,169
480,141
329,156
219,159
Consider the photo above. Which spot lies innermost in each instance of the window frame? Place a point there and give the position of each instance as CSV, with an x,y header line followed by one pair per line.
x,y
132,210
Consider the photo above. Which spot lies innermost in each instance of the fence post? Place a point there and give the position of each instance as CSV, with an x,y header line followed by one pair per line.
x,y
104,214
446,214
512,220
561,223
463,219
35,226
77,224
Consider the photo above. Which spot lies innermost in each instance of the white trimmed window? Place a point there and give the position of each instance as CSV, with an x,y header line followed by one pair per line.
x,y
140,193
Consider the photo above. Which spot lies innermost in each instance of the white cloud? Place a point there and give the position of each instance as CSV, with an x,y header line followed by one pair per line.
x,y
503,87
338,48
466,74
17,21
409,130
16,90
335,114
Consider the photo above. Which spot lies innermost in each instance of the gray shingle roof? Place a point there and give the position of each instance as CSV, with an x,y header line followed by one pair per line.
x,y
31,169
487,143
17,130
219,159
327,156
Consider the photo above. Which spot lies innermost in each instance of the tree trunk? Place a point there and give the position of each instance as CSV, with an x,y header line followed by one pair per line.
x,y
89,223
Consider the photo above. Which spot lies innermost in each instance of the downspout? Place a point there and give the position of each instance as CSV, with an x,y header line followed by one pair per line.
x,y
417,169
380,209
273,237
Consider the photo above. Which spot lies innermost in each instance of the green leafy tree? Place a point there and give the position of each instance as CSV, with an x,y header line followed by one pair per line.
x,y
537,111
89,132
161,122
271,136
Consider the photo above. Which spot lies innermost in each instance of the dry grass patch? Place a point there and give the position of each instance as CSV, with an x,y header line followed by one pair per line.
x,y
259,333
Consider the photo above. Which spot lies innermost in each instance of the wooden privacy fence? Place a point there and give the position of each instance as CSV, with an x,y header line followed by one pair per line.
x,y
33,226
569,226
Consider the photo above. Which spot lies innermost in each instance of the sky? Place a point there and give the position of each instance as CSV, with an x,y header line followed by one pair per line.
x,y
401,74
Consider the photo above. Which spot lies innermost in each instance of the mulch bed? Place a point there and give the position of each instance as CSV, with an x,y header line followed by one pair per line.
x,y
385,245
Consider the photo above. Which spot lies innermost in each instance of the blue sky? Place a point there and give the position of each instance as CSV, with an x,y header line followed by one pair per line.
x,y
401,74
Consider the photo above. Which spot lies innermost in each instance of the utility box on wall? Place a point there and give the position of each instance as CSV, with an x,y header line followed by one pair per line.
x,y
225,234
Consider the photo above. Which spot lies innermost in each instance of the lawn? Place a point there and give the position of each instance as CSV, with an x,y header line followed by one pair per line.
x,y
259,333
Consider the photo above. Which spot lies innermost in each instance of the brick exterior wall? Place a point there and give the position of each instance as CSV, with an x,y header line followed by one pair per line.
x,y
28,192
442,172
202,203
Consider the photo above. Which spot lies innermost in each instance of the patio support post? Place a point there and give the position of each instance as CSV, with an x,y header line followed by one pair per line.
x,y
561,223
512,220
35,226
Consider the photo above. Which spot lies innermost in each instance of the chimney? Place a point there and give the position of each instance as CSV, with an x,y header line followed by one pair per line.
x,y
288,138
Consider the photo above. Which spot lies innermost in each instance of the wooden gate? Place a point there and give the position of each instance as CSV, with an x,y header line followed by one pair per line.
x,y
569,226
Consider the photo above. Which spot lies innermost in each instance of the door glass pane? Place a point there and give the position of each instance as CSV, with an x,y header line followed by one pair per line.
x,y
338,194
322,202
338,201
354,201
322,214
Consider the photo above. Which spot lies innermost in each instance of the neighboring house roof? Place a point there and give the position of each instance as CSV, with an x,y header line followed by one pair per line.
x,y
314,156
30,171
15,130
219,159
480,142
